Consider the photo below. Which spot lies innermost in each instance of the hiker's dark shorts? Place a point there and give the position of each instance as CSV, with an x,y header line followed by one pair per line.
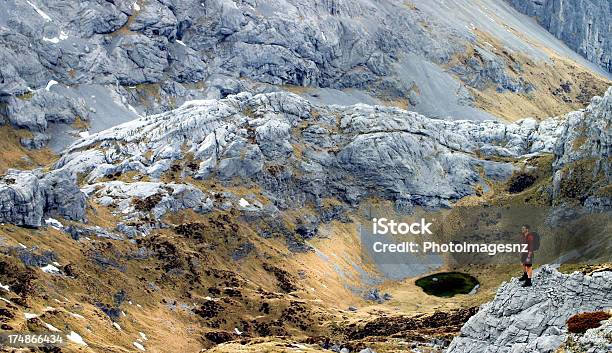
x,y
524,259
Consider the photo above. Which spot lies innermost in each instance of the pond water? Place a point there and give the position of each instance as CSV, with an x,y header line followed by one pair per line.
x,y
447,284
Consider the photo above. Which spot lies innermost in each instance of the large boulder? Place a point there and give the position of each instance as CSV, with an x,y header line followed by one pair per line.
x,y
21,199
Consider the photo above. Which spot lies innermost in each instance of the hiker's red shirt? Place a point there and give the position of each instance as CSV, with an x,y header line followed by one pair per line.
x,y
528,239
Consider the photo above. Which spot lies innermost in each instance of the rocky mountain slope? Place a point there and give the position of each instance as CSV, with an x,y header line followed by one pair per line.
x,y
219,157
583,25
299,153
181,211
89,65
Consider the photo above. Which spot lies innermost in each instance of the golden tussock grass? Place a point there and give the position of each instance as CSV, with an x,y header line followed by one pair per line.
x,y
560,85
14,155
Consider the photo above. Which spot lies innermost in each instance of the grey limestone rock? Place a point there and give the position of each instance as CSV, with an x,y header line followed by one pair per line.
x,y
585,146
383,50
298,151
27,197
533,319
21,199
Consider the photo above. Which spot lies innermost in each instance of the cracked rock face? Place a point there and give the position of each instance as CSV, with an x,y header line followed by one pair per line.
x,y
27,197
583,153
298,151
533,319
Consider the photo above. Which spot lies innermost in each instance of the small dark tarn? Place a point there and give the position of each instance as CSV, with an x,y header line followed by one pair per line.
x,y
447,284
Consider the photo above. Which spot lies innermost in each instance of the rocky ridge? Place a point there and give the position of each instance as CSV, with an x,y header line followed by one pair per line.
x,y
298,153
534,319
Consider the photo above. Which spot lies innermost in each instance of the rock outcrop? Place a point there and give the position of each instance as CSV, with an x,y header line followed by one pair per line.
x,y
533,319
27,197
298,152
583,25
582,167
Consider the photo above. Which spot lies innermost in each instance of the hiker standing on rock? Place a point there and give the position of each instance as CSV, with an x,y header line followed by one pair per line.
x,y
527,237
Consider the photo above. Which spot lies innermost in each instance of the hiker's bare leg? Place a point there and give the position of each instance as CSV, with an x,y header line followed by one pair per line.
x,y
529,270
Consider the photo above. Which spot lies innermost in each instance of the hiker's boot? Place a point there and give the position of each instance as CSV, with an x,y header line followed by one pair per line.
x,y
527,283
524,278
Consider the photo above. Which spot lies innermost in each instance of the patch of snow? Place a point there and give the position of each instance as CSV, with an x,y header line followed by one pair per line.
x,y
84,134
5,300
50,84
29,316
77,316
116,325
51,327
56,264
63,35
244,203
76,338
23,246
136,7
138,305
50,269
39,11
53,40
143,336
237,331
139,346
181,43
5,287
54,223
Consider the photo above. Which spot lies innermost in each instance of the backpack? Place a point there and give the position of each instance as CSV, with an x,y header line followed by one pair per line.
x,y
536,241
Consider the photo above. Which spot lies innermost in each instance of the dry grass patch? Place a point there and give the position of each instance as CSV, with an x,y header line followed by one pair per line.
x,y
14,155
560,86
